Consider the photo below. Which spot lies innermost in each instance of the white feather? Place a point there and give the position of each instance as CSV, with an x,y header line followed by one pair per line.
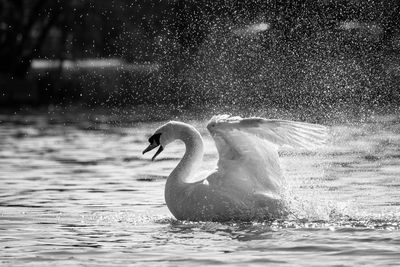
x,y
250,146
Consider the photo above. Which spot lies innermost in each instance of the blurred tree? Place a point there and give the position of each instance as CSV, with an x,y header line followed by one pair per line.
x,y
146,31
24,26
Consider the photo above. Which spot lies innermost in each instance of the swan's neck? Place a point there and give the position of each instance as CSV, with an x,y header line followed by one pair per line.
x,y
192,157
182,175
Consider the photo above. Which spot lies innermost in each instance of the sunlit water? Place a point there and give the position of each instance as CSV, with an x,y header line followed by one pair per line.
x,y
82,194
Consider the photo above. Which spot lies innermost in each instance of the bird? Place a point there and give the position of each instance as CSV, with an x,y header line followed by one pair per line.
x,y
247,183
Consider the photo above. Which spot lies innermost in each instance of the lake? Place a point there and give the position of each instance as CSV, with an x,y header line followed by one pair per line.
x,y
80,192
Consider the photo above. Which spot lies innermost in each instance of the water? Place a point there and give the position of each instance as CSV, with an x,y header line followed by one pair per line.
x,y
79,192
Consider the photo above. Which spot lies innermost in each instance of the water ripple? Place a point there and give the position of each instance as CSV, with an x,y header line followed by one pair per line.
x,y
76,191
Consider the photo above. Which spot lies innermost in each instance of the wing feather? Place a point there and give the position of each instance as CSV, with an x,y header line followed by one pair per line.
x,y
278,132
247,147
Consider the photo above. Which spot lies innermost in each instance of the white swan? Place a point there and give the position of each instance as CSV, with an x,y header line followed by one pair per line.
x,y
246,185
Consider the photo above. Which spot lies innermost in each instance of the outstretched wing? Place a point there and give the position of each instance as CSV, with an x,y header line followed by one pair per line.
x,y
247,148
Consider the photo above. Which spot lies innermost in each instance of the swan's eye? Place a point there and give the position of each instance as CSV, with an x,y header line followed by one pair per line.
x,y
155,138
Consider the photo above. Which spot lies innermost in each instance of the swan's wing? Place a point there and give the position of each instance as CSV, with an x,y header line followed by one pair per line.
x,y
247,147
278,132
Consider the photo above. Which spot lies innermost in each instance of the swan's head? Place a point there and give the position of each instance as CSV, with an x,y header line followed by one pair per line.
x,y
163,136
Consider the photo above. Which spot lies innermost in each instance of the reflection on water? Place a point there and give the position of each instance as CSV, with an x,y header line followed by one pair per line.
x,y
81,193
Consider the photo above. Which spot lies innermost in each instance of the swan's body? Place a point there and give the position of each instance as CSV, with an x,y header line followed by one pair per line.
x,y
246,185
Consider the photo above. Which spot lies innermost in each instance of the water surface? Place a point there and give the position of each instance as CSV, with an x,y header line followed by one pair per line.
x,y
80,193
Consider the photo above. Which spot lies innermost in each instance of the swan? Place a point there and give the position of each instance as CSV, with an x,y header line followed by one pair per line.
x,y
247,183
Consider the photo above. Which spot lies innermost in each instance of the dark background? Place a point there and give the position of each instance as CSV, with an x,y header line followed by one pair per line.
x,y
210,54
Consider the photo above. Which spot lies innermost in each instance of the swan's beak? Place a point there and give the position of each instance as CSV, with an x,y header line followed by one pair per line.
x,y
151,147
